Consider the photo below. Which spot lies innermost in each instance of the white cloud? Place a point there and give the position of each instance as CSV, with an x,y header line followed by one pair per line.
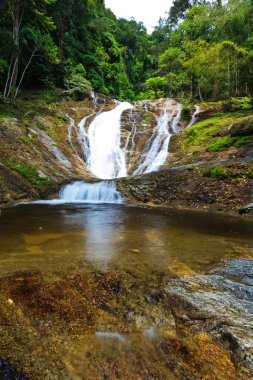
x,y
147,11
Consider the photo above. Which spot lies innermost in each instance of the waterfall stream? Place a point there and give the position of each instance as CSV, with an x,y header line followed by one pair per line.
x,y
193,118
105,156
81,192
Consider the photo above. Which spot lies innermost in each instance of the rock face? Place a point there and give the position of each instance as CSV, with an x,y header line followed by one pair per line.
x,y
220,303
242,128
186,187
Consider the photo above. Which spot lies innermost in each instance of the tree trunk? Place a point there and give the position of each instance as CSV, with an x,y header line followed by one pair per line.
x,y
191,88
13,71
200,95
23,74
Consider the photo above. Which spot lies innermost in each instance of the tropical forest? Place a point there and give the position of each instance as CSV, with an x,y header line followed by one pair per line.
x,y
126,190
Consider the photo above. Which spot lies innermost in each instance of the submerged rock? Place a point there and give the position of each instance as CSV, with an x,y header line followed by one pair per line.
x,y
219,302
248,209
9,372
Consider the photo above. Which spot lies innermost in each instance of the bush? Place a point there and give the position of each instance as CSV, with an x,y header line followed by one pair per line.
x,y
243,141
227,141
77,86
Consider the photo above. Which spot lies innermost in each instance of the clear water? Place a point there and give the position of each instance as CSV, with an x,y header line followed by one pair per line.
x,y
118,237
78,283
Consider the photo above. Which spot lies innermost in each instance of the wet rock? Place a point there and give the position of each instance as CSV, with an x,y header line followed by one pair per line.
x,y
242,127
248,209
219,302
245,153
9,372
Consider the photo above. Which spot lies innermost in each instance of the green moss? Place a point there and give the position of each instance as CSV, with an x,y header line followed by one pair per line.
x,y
199,133
217,172
250,172
30,173
52,133
228,141
204,131
221,144
25,139
243,141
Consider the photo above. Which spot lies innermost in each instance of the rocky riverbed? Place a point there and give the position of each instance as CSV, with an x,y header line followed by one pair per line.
x,y
108,292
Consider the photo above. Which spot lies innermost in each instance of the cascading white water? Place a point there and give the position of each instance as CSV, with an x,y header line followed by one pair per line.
x,y
106,159
101,145
156,148
83,136
176,119
94,98
193,118
81,192
154,158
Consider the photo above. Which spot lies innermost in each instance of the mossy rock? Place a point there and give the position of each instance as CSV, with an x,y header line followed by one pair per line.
x,y
242,128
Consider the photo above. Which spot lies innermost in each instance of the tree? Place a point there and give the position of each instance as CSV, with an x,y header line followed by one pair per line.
x,y
156,84
21,28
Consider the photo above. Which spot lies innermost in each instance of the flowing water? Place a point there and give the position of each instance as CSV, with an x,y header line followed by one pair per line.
x,y
101,140
80,192
193,118
106,159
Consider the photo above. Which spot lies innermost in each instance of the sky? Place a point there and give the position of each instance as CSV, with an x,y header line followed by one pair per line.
x,y
147,11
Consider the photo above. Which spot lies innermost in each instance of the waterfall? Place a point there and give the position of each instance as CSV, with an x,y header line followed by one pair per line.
x,y
156,149
193,118
106,159
83,136
154,159
70,128
81,192
176,119
94,98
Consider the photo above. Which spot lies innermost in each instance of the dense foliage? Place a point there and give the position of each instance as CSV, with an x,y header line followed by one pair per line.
x,y
76,44
204,50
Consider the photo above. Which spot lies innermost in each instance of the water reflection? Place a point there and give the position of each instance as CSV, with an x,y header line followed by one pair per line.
x,y
102,236
110,237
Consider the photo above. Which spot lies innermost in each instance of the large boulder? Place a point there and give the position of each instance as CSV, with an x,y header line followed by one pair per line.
x,y
242,127
220,303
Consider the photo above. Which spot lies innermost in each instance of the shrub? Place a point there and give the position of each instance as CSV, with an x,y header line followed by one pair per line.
x,y
243,141
76,83
77,86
